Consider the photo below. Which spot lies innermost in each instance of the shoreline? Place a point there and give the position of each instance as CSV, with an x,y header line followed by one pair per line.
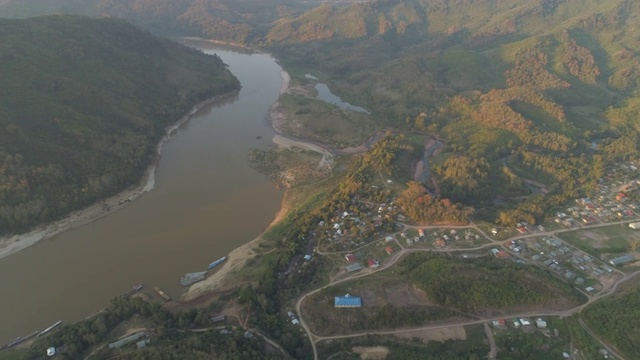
x,y
11,244
238,257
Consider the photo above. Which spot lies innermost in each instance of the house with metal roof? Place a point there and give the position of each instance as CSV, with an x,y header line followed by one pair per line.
x,y
347,301
622,260
353,267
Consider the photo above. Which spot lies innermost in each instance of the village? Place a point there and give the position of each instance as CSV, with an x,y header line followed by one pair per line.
x,y
574,244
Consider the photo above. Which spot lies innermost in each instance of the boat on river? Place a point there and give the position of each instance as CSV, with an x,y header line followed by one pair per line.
x,y
217,262
134,289
162,293
192,278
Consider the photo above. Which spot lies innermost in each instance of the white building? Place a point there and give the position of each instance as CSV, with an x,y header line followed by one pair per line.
x,y
541,324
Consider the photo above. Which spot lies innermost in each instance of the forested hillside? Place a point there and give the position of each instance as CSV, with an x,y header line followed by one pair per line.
x,y
83,103
523,92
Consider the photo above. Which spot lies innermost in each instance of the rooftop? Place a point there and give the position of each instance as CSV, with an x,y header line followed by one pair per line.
x,y
348,301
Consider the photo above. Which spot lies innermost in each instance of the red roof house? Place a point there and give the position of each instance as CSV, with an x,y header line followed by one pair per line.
x,y
389,250
373,263
350,258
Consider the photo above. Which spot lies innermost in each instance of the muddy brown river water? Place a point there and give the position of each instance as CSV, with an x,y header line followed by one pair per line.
x,y
206,202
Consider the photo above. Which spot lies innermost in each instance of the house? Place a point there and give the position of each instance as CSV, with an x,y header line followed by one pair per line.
x,y
389,250
373,263
524,322
51,351
635,225
541,324
420,232
621,197
440,243
347,301
353,267
622,260
218,318
295,321
307,257
389,238
350,258
500,254
125,341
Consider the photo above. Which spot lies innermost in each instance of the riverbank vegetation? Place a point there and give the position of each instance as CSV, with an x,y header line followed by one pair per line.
x,y
185,335
84,103
316,120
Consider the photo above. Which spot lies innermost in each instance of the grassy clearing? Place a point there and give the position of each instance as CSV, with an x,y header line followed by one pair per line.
x,y
612,239
388,302
317,120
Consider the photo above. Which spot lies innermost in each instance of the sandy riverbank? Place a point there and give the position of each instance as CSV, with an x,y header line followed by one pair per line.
x,y
12,244
236,260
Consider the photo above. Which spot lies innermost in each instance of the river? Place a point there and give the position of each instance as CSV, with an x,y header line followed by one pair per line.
x,y
206,202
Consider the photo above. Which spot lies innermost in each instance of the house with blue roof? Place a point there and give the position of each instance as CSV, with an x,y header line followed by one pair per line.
x,y
347,301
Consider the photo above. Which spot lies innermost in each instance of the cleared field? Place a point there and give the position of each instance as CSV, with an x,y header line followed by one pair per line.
x,y
612,239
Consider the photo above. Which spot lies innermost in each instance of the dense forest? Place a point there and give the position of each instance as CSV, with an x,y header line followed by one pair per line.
x,y
485,285
83,103
615,320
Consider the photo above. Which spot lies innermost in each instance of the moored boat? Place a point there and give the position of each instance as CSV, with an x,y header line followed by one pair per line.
x,y
135,288
162,293
217,262
192,278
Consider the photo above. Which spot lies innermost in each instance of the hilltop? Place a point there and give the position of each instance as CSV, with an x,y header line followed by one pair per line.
x,y
84,103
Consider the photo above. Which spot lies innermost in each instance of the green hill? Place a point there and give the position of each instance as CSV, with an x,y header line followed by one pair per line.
x,y
83,103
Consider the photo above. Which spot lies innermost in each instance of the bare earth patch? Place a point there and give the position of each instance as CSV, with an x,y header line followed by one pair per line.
x,y
371,353
441,335
402,296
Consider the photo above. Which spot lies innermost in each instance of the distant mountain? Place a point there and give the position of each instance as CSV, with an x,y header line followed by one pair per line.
x,y
83,102
239,21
